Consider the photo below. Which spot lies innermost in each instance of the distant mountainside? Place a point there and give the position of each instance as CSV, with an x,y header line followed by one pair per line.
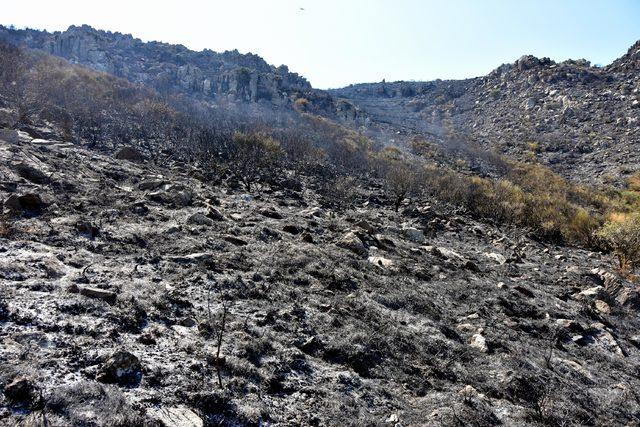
x,y
582,120
166,67
579,119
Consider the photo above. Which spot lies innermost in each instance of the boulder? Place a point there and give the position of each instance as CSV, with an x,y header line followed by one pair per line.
x,y
8,186
291,229
9,135
602,306
380,261
199,219
629,298
97,293
194,258
122,368
8,119
29,203
591,293
479,342
174,195
215,214
151,184
312,345
31,173
235,240
413,234
598,336
139,208
366,226
524,291
129,153
271,213
443,252
21,389
176,416
529,103
352,242
88,229
499,258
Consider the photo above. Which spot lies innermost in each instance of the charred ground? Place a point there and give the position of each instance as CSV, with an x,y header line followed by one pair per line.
x,y
166,261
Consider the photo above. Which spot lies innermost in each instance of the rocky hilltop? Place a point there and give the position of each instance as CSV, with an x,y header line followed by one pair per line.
x,y
206,74
582,120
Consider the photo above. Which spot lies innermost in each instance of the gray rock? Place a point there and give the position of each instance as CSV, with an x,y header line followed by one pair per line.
x,y
200,219
352,242
129,153
413,234
122,368
176,416
529,103
97,293
9,135
28,203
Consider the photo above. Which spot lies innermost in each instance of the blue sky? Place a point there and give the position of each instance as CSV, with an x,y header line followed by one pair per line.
x,y
334,43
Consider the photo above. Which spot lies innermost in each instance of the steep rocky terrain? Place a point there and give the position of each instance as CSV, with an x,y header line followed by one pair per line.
x,y
582,120
116,271
206,74
142,284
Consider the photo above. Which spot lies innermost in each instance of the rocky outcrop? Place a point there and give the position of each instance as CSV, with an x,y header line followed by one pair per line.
x,y
581,120
207,74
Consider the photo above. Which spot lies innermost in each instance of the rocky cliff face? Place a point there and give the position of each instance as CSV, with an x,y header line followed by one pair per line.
x,y
207,74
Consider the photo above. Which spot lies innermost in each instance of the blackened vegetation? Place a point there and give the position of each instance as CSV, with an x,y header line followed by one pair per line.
x,y
233,269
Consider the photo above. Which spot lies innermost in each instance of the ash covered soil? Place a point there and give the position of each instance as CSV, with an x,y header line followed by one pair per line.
x,y
116,275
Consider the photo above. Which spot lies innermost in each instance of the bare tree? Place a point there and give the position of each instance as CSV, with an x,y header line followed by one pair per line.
x,y
256,157
218,323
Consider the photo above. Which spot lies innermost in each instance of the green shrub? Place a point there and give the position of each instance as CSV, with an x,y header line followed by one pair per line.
x,y
623,237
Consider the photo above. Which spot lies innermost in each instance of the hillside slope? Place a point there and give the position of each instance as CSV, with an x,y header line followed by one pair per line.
x,y
581,120
115,273
165,261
